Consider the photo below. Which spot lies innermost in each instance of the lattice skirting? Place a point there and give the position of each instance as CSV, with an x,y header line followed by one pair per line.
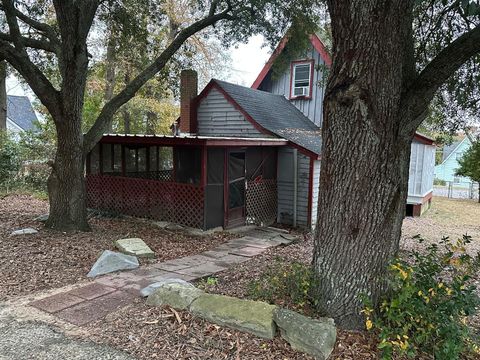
x,y
165,201
261,202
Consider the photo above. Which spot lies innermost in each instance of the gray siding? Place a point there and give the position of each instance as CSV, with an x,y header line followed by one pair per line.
x,y
420,180
217,117
312,108
285,187
315,189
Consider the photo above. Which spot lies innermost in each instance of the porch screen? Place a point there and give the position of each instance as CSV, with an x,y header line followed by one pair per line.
x,y
214,211
188,165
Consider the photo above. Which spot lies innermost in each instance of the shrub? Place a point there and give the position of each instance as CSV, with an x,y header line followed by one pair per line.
x,y
9,160
427,307
439,182
284,283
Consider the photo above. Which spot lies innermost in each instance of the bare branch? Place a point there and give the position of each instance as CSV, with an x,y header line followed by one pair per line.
x,y
105,118
40,85
423,88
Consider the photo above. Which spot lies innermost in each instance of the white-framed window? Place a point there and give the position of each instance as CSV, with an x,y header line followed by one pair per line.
x,y
301,79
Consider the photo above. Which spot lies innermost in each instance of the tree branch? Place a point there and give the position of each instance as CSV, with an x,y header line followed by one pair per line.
x,y
419,94
105,117
38,82
31,43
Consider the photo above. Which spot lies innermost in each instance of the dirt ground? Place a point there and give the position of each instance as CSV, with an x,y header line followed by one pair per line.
x,y
162,333
51,259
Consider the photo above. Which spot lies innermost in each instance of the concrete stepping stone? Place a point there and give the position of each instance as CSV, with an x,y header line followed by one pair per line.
x,y
55,303
202,270
26,231
134,246
248,251
111,261
151,288
91,291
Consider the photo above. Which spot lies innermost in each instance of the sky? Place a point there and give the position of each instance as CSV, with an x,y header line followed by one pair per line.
x,y
247,62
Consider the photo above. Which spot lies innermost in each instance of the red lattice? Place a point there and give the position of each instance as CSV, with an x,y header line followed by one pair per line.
x,y
261,202
165,201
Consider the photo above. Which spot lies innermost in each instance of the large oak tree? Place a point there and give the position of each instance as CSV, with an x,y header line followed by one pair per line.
x,y
377,95
29,36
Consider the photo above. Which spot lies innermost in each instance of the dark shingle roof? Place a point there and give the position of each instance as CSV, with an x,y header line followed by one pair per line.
x,y
20,111
276,114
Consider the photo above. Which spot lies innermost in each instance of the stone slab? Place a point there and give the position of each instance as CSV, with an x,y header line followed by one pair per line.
x,y
255,317
26,231
229,260
55,303
91,291
113,281
148,290
248,251
214,254
171,265
177,295
148,272
111,261
96,309
202,270
315,337
134,246
253,242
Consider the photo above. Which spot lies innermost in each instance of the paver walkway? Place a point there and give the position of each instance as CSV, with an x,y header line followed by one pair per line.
x,y
110,292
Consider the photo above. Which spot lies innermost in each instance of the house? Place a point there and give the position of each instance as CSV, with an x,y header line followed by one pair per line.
x,y
451,154
242,155
20,115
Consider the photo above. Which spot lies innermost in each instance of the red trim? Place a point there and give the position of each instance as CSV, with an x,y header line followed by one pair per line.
x,y
310,194
424,139
427,197
292,65
317,45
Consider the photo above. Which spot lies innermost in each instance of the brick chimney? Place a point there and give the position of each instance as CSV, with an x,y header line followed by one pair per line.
x,y
188,91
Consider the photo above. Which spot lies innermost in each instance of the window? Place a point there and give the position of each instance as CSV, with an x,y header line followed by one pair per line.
x,y
301,79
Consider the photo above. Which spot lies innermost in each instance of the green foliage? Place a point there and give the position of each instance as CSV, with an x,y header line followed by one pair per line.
x,y
470,162
439,182
429,300
285,283
9,160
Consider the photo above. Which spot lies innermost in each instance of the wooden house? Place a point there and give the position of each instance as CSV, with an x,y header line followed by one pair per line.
x,y
241,155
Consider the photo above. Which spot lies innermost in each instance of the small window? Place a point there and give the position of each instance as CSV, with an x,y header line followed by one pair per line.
x,y
301,79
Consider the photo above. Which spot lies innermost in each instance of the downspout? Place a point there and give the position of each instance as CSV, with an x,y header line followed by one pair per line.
x,y
295,186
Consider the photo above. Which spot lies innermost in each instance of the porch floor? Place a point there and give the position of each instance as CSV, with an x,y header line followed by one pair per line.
x,y
89,302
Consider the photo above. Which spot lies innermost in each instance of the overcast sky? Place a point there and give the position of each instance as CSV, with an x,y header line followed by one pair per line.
x,y
247,62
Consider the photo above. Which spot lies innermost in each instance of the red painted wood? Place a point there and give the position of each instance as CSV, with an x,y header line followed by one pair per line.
x,y
310,193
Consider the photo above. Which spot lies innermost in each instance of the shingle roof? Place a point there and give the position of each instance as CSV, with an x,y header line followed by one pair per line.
x,y
20,111
276,114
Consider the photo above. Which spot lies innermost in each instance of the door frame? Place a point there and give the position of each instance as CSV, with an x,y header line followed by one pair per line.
x,y
229,223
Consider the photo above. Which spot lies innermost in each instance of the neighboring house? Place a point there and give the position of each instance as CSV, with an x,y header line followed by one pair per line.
x,y
451,154
20,114
243,155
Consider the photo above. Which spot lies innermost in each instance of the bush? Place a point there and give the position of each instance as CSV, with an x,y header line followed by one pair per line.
x,y
439,182
9,160
427,307
284,283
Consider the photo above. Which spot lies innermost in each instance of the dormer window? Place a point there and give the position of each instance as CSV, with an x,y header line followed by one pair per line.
x,y
301,79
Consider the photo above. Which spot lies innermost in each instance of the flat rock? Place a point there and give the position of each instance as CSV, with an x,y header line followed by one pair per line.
x,y
134,246
176,295
254,317
25,231
150,289
312,336
42,218
111,261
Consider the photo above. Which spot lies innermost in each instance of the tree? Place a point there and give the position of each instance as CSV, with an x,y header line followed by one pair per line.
x,y
377,95
26,38
470,164
3,95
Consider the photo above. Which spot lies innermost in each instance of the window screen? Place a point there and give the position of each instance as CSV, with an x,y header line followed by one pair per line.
x,y
301,79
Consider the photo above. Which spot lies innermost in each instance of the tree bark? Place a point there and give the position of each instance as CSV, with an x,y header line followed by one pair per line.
x,y
110,71
3,95
365,155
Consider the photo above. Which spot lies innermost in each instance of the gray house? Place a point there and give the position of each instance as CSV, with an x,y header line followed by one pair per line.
x,y
239,155
20,114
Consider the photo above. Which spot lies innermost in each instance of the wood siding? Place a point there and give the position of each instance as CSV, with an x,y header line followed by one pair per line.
x,y
217,117
420,181
311,108
446,170
315,190
285,187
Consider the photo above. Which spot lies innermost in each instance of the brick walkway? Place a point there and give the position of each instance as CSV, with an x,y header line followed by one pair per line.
x,y
110,292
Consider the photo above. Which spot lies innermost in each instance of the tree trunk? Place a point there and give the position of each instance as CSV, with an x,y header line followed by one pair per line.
x,y
66,183
125,113
110,63
365,156
3,95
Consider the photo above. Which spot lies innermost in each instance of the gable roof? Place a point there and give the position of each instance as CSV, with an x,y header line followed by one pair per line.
x,y
271,114
317,45
20,112
449,150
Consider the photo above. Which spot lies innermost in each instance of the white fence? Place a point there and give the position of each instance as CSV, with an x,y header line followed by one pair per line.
x,y
461,190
